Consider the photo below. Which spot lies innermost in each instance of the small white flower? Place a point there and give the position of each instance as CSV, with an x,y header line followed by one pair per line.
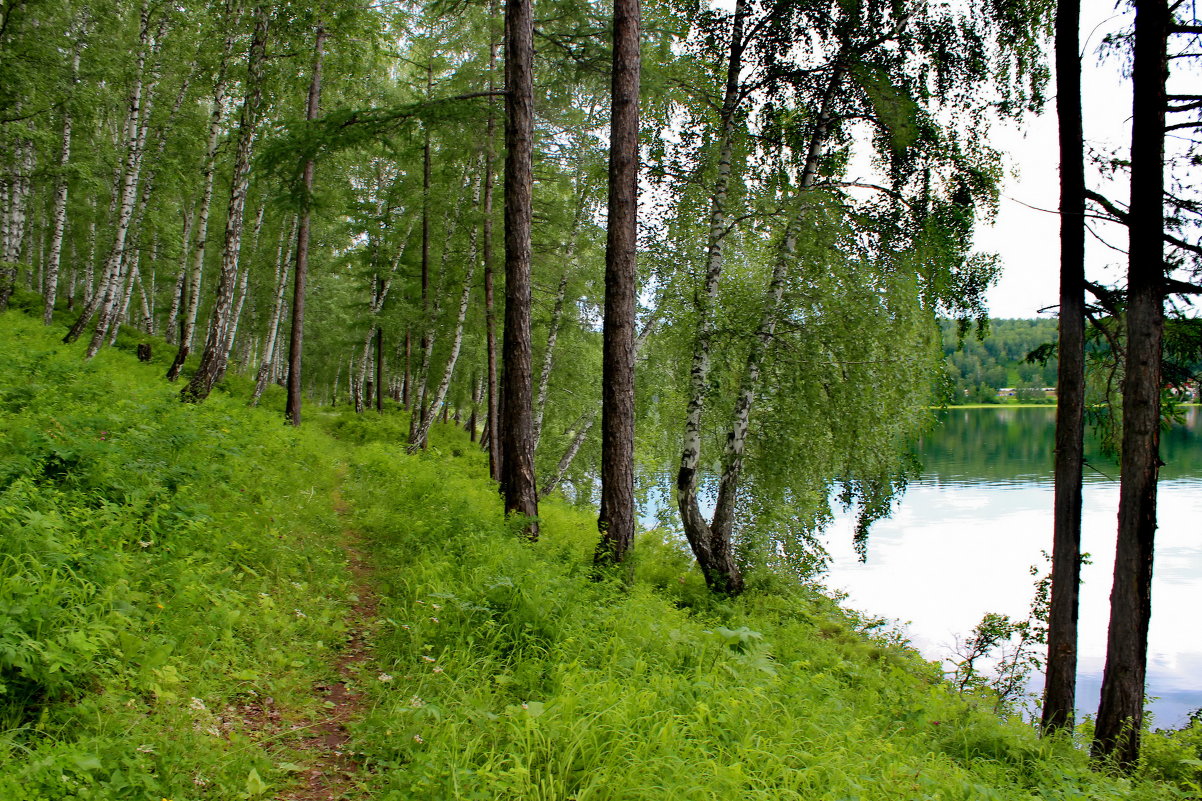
x,y
438,670
146,543
417,738
384,677
198,705
436,607
146,749
299,613
433,620
416,702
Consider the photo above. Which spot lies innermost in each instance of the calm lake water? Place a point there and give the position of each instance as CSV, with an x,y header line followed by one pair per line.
x,y
963,537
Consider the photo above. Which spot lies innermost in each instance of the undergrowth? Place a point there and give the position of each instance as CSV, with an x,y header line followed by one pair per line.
x,y
168,572
507,673
164,569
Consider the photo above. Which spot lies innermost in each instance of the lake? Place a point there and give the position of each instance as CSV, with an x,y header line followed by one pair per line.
x,y
964,535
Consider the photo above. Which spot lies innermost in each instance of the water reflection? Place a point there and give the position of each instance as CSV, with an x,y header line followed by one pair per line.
x,y
980,515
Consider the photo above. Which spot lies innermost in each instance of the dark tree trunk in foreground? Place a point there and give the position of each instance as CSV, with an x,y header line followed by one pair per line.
x,y
292,409
1120,713
1060,685
517,451
616,520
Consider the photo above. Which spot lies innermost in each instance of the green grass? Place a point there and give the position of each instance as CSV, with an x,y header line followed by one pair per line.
x,y
163,567
506,673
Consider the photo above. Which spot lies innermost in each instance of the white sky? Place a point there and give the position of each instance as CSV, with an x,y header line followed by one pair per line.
x,y
1027,240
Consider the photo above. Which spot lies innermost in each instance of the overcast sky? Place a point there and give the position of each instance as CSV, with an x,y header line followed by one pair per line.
x,y
1027,239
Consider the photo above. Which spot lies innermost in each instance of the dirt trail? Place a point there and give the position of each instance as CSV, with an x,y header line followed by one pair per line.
x,y
332,767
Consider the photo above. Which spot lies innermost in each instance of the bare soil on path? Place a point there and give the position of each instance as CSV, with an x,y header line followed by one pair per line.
x,y
331,769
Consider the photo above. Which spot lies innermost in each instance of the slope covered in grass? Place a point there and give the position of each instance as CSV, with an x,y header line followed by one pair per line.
x,y
507,673
169,579
172,588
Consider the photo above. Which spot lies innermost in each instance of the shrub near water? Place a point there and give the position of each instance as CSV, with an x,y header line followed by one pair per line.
x,y
162,566
506,673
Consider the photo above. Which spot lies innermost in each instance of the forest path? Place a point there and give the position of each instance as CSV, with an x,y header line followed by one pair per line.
x,y
331,769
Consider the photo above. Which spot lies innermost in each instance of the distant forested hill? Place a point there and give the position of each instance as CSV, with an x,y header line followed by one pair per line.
x,y
979,368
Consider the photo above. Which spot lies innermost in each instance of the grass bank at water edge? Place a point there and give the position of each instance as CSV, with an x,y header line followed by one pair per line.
x,y
172,589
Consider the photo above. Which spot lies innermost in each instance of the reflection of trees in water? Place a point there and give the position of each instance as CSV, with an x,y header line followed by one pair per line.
x,y
1009,444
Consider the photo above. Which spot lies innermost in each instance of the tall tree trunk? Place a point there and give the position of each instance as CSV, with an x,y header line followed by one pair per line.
x,y
181,282
419,439
50,290
296,340
418,416
126,195
112,309
282,260
406,379
544,376
236,315
517,460
492,416
616,519
16,218
213,360
188,329
719,568
1120,713
379,369
1060,684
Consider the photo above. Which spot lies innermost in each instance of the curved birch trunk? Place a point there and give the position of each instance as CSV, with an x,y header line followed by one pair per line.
x,y
419,441
714,556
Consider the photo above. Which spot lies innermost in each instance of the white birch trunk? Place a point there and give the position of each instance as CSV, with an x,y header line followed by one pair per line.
x,y
266,367
50,289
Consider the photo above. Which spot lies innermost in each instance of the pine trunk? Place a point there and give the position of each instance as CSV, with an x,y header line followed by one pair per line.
x,y
1120,712
617,513
1060,684
517,446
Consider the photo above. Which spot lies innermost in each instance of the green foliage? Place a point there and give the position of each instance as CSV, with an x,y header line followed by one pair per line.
x,y
1014,354
162,567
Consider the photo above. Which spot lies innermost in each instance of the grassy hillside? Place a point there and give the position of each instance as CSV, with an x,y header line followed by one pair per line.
x,y
172,589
